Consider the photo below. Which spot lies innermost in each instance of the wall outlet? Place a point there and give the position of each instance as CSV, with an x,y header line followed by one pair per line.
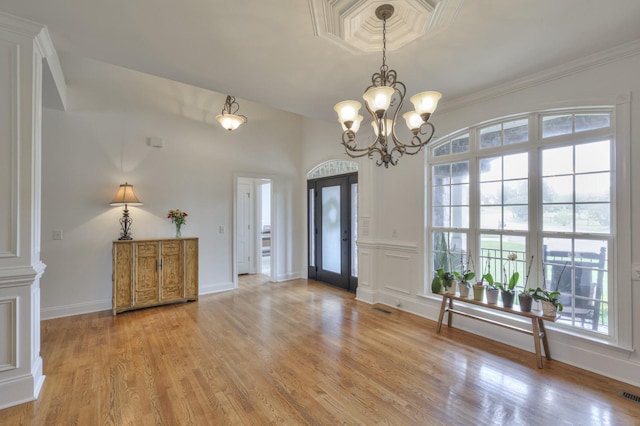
x,y
57,234
221,229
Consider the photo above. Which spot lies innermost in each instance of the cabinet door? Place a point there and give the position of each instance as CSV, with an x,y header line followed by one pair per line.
x,y
191,269
122,274
146,289
172,260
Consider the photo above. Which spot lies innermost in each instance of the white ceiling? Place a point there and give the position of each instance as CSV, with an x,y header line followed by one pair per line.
x,y
265,51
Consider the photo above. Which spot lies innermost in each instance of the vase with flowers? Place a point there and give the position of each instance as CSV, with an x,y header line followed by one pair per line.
x,y
178,218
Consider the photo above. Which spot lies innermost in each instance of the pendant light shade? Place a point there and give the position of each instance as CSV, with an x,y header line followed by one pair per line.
x,y
229,119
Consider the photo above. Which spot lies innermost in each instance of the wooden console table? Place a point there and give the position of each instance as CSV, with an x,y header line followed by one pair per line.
x,y
537,321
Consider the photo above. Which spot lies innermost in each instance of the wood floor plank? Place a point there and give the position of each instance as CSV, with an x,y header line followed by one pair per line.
x,y
300,352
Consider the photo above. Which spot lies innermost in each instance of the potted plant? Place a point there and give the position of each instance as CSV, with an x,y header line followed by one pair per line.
x,y
464,277
550,301
524,297
463,281
492,289
478,291
443,281
507,288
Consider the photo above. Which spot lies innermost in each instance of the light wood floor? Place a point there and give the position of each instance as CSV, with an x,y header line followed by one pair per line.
x,y
300,353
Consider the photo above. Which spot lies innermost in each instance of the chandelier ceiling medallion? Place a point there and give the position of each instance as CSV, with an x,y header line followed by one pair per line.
x,y
384,99
229,119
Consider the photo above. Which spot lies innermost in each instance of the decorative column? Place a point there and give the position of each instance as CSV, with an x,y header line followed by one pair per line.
x,y
23,45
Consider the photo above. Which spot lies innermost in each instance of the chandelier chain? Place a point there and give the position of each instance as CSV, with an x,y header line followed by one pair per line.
x,y
384,66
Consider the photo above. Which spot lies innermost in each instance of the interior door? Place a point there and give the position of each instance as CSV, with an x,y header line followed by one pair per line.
x,y
244,227
331,212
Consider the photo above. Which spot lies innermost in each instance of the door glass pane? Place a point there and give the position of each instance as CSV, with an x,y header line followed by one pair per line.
x,y
312,226
354,229
331,229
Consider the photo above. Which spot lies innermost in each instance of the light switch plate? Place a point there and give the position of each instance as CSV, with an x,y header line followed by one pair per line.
x,y
57,234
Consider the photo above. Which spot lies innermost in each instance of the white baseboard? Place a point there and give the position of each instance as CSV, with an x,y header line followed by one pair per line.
x,y
19,390
289,276
74,309
215,288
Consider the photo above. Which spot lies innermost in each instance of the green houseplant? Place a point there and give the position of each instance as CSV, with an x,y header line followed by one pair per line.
x,y
524,297
463,281
550,300
442,281
508,287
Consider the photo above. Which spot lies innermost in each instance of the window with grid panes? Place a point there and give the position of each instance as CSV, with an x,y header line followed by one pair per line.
x,y
545,200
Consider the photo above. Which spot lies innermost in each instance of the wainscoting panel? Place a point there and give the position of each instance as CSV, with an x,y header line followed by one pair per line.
x,y
397,271
8,326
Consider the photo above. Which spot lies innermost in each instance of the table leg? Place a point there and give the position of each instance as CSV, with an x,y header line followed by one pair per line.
x,y
442,309
536,340
449,312
544,338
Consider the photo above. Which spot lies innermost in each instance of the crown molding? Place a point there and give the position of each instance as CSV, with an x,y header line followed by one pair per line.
x,y
573,67
20,26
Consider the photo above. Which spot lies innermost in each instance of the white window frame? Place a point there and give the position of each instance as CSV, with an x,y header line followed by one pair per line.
x,y
619,256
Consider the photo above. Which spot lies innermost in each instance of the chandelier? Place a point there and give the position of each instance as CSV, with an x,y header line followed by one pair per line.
x,y
383,99
229,119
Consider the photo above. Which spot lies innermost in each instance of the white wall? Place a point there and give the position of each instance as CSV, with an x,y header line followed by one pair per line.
x,y
100,142
392,256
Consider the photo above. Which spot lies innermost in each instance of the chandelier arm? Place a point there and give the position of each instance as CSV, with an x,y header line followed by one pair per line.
x,y
350,143
417,143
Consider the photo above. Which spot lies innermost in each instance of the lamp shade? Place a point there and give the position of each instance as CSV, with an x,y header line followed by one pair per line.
x,y
356,124
426,102
387,126
413,120
230,121
378,98
348,113
125,196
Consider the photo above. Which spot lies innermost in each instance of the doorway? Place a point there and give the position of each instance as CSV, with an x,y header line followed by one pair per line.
x,y
253,227
332,211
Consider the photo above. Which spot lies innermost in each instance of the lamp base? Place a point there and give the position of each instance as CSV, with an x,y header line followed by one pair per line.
x,y
125,237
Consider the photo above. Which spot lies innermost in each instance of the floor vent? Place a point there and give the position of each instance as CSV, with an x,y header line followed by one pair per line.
x,y
630,396
382,310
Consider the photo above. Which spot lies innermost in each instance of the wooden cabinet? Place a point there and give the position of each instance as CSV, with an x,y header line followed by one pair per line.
x,y
154,272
